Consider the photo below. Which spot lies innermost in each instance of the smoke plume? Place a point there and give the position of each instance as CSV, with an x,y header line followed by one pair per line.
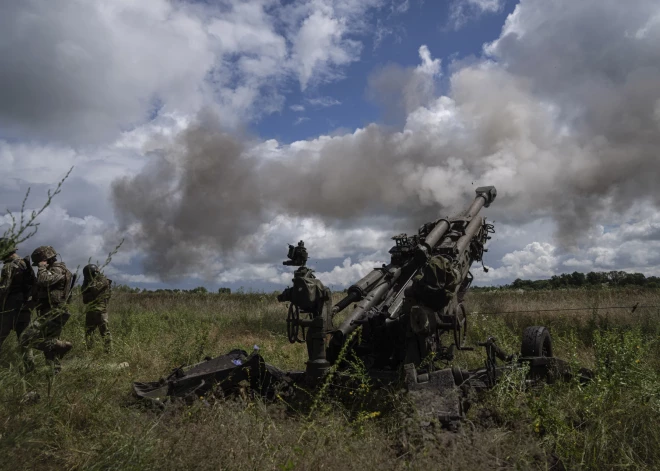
x,y
562,115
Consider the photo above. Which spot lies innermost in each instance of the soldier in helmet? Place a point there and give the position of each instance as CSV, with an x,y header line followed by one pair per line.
x,y
16,282
96,292
50,296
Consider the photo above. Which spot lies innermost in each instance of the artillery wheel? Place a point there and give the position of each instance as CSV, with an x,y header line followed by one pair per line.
x,y
460,325
536,342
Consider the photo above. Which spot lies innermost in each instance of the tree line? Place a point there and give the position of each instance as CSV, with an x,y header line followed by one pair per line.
x,y
582,280
563,281
197,290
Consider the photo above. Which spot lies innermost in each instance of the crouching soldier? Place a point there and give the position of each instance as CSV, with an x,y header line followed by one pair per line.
x,y
96,292
16,283
54,282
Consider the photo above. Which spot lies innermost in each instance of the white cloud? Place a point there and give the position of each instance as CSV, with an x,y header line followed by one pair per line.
x,y
348,273
567,130
107,67
536,260
429,66
631,246
297,108
76,239
100,66
462,11
319,46
323,102
341,276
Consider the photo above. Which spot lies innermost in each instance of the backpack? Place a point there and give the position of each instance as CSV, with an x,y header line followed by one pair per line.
x,y
436,282
308,293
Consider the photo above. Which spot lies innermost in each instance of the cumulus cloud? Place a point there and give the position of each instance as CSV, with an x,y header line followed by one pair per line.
x,y
461,11
568,134
80,72
536,260
77,238
567,130
632,245
341,276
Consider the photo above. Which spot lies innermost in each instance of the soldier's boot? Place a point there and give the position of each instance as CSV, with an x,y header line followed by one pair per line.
x,y
52,360
61,348
55,353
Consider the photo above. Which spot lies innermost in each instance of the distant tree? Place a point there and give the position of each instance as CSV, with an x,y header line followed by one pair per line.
x,y
199,290
637,279
578,279
224,290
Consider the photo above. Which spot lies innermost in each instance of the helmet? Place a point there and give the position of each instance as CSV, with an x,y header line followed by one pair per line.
x,y
90,271
7,247
40,254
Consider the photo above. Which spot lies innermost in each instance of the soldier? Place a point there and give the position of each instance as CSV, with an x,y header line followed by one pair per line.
x,y
96,292
50,296
16,283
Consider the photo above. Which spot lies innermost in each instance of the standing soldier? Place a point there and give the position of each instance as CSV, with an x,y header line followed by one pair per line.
x,y
54,282
16,282
96,292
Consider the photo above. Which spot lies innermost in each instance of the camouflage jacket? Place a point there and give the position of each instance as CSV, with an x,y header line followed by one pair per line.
x,y
96,293
16,278
53,283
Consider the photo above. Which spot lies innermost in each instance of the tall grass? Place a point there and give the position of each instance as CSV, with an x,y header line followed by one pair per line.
x,y
86,417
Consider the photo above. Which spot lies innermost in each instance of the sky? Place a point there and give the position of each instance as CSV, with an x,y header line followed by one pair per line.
x,y
208,135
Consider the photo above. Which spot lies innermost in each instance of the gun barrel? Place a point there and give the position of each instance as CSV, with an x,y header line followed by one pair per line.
x,y
357,291
485,196
372,298
470,231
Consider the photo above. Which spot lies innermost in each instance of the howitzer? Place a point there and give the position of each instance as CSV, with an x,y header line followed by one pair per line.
x,y
404,308
405,316
411,313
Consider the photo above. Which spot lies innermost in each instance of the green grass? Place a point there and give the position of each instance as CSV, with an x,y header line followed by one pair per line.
x,y
86,417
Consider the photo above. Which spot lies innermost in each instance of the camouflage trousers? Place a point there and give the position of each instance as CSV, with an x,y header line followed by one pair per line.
x,y
43,334
94,320
14,316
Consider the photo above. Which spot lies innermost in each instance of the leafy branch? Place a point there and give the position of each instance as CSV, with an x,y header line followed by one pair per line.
x,y
25,227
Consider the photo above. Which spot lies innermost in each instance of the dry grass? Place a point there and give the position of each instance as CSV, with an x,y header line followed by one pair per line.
x,y
87,419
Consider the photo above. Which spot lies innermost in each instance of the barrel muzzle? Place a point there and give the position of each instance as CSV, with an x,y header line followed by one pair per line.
x,y
488,192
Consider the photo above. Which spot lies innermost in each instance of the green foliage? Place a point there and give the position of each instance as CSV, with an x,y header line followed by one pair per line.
x,y
87,419
593,280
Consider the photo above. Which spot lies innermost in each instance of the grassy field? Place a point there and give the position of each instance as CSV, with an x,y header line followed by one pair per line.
x,y
86,417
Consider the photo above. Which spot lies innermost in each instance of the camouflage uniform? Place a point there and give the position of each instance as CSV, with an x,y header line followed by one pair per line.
x,y
50,295
16,282
96,292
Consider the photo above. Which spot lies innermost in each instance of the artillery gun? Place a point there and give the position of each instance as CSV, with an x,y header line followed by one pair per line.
x,y
411,313
406,316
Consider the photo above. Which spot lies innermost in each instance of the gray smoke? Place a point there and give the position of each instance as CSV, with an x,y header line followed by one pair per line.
x,y
400,90
563,116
